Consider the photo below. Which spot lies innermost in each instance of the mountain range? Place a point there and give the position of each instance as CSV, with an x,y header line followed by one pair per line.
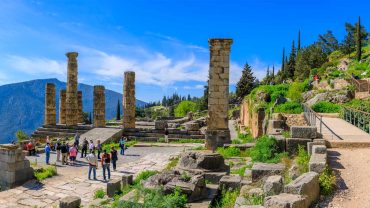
x,y
22,105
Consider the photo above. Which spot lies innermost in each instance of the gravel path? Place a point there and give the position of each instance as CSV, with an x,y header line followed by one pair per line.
x,y
353,166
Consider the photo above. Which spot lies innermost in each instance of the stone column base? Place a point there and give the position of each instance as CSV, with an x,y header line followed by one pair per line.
x,y
217,138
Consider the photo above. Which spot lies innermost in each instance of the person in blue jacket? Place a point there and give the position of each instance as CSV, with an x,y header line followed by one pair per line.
x,y
47,153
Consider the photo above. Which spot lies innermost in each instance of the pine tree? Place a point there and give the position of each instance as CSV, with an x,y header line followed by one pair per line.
x,y
291,63
358,40
246,83
189,98
164,101
118,115
267,78
273,73
299,41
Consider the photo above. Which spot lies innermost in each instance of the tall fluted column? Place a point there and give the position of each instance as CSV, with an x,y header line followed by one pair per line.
x,y
99,106
62,107
218,132
80,107
71,96
50,109
129,101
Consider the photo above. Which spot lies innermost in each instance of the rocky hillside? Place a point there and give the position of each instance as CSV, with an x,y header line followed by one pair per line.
x,y
22,105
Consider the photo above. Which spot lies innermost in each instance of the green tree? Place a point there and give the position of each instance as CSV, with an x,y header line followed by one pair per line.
x,y
349,42
291,63
307,59
21,135
299,41
185,107
118,113
246,83
358,40
328,42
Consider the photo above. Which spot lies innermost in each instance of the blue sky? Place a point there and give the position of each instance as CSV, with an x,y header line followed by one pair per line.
x,y
164,41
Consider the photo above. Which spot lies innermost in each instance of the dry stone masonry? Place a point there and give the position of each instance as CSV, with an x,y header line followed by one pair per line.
x,y
218,132
50,111
71,94
80,107
99,106
129,107
62,107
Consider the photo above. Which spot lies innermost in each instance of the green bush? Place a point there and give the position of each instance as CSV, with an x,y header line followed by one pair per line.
x,y
227,199
266,150
296,89
326,107
239,171
185,107
99,194
302,159
228,152
289,107
21,135
327,181
45,172
144,175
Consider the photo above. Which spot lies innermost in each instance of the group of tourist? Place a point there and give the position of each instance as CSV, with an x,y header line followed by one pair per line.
x,y
68,152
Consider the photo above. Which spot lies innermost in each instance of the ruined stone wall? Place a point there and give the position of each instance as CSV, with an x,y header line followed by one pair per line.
x,y
71,95
252,118
50,109
218,129
62,107
80,107
129,101
99,106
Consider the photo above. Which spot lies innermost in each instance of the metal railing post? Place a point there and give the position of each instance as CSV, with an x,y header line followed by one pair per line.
x,y
321,124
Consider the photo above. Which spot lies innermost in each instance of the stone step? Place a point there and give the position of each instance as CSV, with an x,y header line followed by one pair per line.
x,y
144,139
179,139
184,136
60,130
143,134
144,131
60,126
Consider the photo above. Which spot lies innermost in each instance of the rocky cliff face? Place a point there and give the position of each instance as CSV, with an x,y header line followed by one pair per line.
x,y
22,105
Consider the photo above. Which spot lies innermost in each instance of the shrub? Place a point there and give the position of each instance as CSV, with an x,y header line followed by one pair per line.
x,y
327,181
144,175
296,89
45,172
21,135
185,107
266,150
326,107
289,107
286,134
227,199
99,194
228,152
239,171
302,159
254,199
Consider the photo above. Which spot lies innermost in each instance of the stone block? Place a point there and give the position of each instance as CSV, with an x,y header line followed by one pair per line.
x,y
252,206
113,187
214,177
217,138
211,162
317,163
230,182
273,185
293,143
308,132
127,180
285,201
248,173
261,170
160,125
319,149
307,184
314,142
281,143
192,126
70,202
276,124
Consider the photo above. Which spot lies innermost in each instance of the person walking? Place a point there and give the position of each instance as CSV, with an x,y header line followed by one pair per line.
x,y
166,135
47,153
114,156
93,164
64,151
122,143
30,149
73,154
57,147
77,140
84,148
91,146
105,162
99,147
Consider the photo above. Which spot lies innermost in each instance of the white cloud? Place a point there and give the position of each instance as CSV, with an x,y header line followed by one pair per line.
x,y
259,68
35,65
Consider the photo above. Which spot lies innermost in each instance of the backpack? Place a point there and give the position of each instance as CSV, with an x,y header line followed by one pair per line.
x,y
106,158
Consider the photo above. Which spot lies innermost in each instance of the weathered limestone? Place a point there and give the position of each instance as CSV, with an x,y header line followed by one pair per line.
x,y
307,185
285,201
308,132
160,125
230,182
80,107
252,118
50,109
292,144
127,180
62,107
273,185
129,103
192,126
70,202
14,167
71,93
113,187
261,170
314,142
317,163
218,132
99,106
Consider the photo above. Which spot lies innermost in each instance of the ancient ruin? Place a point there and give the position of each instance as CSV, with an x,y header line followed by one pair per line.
x,y
218,132
80,107
50,111
129,100
71,93
62,107
99,106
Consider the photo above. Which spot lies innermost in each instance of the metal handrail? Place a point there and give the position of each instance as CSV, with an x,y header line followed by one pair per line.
x,y
358,118
310,117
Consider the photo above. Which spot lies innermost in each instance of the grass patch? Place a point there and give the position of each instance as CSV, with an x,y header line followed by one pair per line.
x,y
99,194
302,159
266,150
172,163
286,134
108,146
199,148
228,152
327,181
239,171
289,107
254,199
326,107
183,141
45,172
144,175
227,199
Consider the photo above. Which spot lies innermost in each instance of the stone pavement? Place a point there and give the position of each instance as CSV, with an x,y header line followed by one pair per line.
x,y
103,134
72,181
233,133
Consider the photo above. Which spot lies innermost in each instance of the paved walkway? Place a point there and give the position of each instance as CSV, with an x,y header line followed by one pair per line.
x,y
102,134
72,181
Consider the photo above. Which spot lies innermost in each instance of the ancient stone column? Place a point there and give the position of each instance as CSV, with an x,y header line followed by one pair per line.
x,y
71,95
218,132
50,109
129,101
62,107
80,107
99,106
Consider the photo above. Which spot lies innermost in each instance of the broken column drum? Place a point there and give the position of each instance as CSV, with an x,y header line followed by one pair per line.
x,y
99,106
62,107
218,132
71,94
80,107
50,109
129,104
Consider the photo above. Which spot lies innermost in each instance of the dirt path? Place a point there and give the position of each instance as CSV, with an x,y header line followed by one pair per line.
x,y
353,165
